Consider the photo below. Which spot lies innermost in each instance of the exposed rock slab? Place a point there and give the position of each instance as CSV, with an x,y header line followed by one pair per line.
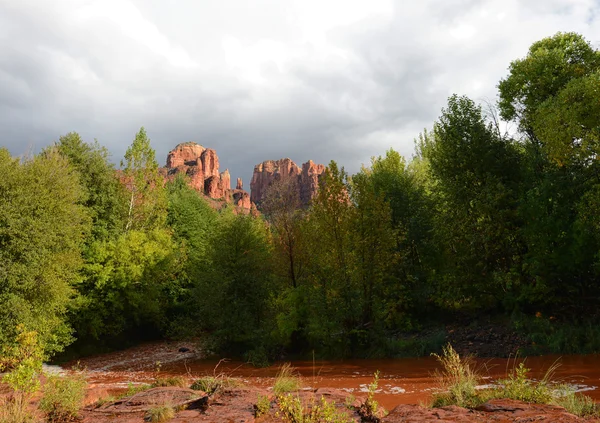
x,y
497,411
144,401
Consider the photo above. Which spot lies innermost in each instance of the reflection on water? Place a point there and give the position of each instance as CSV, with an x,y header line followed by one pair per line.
x,y
402,381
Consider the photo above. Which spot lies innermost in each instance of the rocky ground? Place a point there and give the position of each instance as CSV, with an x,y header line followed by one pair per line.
x,y
238,405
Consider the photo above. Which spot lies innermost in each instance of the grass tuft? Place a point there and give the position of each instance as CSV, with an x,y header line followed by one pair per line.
x,y
161,382
14,410
159,414
63,398
458,378
578,404
214,384
287,380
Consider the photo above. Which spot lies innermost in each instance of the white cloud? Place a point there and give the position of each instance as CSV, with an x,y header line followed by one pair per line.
x,y
327,79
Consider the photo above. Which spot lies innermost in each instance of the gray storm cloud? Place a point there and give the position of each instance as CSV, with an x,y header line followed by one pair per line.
x,y
342,80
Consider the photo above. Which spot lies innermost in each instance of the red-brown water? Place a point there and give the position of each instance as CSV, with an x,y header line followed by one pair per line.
x,y
402,381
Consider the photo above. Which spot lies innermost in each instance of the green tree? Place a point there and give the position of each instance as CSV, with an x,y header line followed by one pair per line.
x,y
125,282
374,246
568,124
552,92
105,196
234,297
549,66
477,180
405,188
194,223
147,202
283,210
42,230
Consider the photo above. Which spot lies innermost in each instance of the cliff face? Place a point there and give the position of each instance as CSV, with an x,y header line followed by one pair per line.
x,y
202,166
307,178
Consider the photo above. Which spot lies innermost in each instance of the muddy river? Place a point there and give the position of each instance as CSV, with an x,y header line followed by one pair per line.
x,y
402,381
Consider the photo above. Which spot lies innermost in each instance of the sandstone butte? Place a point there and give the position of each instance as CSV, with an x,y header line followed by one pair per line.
x,y
267,172
201,165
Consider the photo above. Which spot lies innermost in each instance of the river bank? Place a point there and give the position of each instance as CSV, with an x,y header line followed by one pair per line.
x,y
404,387
239,405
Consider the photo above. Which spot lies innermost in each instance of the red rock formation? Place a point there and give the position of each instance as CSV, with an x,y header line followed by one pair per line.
x,y
186,153
240,184
241,199
267,172
201,165
210,163
309,181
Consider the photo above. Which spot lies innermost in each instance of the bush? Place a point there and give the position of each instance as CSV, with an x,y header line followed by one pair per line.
x,y
518,387
293,410
370,411
63,397
286,380
24,360
262,406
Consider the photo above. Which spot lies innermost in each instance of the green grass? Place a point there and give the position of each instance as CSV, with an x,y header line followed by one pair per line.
x,y
293,410
286,380
214,384
14,410
177,381
63,398
459,379
159,414
578,404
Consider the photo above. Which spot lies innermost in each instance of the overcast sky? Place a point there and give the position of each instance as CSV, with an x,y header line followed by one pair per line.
x,y
259,79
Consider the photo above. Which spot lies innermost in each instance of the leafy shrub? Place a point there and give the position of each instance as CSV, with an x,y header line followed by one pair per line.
x,y
287,380
293,410
518,387
63,397
370,410
262,406
24,360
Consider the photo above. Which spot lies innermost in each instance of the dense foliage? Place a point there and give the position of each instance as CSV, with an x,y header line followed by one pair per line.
x,y
478,222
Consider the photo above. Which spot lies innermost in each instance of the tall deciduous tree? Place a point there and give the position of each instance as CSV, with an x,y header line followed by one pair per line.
x,y
283,210
477,185
105,197
42,229
549,66
147,197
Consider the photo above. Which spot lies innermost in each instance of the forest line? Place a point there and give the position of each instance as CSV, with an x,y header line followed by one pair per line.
x,y
479,222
